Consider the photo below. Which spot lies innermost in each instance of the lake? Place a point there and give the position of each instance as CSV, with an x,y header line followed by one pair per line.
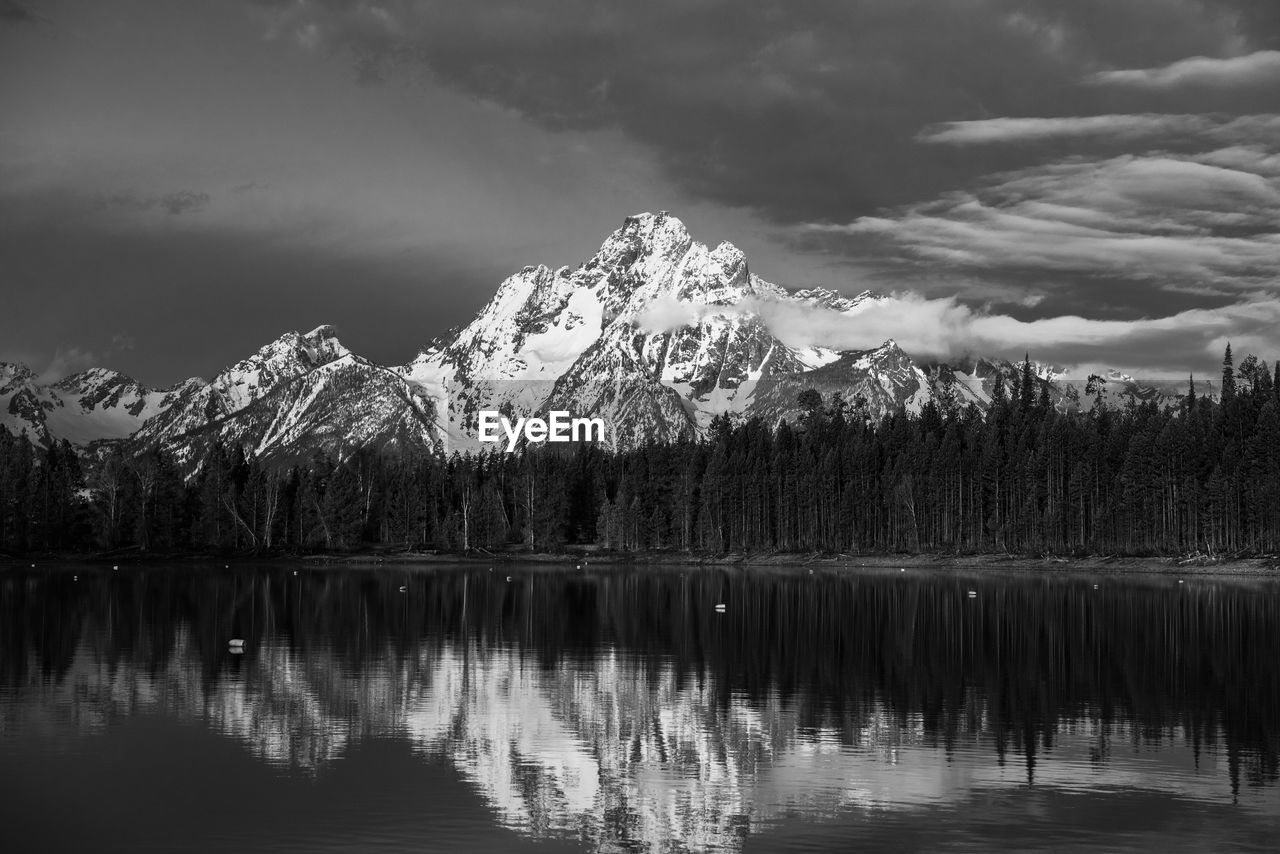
x,y
527,708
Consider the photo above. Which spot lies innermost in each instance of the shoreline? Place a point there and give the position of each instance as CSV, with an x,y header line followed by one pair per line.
x,y
1263,567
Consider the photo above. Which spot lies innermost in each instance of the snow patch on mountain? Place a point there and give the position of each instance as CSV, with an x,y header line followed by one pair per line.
x,y
656,333
95,405
299,394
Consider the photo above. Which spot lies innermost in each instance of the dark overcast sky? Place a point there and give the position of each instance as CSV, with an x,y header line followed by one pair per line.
x,y
181,182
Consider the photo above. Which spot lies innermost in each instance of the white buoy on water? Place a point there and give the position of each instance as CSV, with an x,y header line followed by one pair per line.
x,y
973,594
1180,581
77,578
115,568
508,578
236,642
720,608
403,588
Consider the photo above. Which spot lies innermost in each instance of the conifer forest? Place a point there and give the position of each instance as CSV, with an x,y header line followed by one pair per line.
x,y
1020,476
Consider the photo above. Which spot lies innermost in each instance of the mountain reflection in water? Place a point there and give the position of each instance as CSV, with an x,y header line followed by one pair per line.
x,y
617,709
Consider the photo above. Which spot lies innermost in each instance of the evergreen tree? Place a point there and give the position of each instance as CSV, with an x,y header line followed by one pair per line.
x,y
1201,476
1026,391
999,396
1228,376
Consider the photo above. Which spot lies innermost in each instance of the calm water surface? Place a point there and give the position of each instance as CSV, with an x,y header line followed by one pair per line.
x,y
616,710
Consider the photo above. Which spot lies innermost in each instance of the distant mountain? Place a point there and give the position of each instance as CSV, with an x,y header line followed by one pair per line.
x,y
295,396
656,333
95,405
583,340
885,378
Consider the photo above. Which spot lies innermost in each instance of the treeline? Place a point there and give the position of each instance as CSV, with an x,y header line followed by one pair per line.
x,y
1020,476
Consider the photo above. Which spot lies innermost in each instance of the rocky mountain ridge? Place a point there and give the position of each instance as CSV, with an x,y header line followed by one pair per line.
x,y
657,334
95,405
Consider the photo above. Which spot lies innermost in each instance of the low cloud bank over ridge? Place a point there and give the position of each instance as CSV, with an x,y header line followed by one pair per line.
x,y
946,329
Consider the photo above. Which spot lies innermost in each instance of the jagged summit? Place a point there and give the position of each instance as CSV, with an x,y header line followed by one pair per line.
x,y
655,228
322,331
93,405
833,300
656,333
299,393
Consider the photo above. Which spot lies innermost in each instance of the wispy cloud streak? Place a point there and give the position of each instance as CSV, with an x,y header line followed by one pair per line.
x,y
1254,69
1139,127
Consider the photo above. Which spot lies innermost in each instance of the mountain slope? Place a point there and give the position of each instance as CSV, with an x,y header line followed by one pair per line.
x,y
95,405
340,406
295,396
884,379
656,334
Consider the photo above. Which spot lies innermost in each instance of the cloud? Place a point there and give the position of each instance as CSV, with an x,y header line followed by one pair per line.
x,y
799,111
1022,130
12,12
1204,221
1247,158
948,329
72,360
1142,127
183,201
67,361
174,204
1254,69
924,327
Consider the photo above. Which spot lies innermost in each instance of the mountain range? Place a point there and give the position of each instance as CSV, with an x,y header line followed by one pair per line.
x,y
657,334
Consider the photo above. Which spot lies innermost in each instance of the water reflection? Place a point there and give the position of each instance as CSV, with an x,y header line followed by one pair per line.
x,y
619,709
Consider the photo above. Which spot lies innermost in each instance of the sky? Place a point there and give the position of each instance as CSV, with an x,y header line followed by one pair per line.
x,y
1096,182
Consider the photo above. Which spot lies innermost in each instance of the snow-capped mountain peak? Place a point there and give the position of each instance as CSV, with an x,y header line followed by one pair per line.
x,y
12,373
299,393
89,406
833,300
656,333
289,356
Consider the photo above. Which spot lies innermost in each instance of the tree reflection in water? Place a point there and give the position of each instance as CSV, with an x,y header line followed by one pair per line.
x,y
618,706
